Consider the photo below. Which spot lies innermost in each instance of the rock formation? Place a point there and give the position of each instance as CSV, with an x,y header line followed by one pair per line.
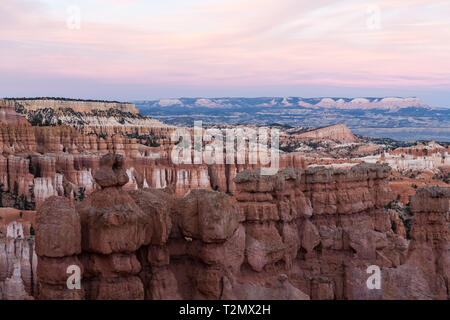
x,y
338,132
39,162
76,105
58,241
299,234
18,262
8,115
146,244
112,204
427,267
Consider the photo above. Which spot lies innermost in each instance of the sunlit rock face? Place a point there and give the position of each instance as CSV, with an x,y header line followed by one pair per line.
x,y
338,132
76,105
300,234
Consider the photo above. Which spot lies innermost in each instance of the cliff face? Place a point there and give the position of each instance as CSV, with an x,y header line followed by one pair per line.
x,y
8,116
331,224
75,105
18,262
147,244
429,251
297,235
431,156
39,162
415,167
135,225
422,150
94,118
74,113
338,132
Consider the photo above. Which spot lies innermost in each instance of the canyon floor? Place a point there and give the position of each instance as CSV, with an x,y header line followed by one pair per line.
x,y
92,184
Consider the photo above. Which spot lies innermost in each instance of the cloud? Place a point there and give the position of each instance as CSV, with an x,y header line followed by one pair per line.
x,y
230,43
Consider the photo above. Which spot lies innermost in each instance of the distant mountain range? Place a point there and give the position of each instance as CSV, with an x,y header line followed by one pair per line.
x,y
391,103
392,117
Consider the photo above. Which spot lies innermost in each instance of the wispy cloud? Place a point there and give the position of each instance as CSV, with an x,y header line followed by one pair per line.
x,y
230,43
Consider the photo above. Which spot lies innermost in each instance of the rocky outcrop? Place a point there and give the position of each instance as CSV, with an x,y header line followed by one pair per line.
x,y
110,118
338,132
428,259
138,226
299,234
18,262
9,116
319,224
40,162
60,158
147,244
76,105
430,157
58,241
421,150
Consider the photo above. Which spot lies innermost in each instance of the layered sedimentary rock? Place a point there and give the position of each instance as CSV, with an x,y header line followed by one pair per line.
x,y
60,160
146,244
138,229
420,157
63,148
338,132
76,105
18,262
415,167
313,223
39,162
9,116
58,241
299,234
427,267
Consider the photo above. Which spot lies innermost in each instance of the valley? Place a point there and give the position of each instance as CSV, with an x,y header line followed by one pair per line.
x,y
92,185
405,119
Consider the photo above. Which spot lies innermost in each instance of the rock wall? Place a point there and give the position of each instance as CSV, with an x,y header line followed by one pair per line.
x,y
76,105
39,162
338,132
297,235
18,262
9,116
321,225
429,250
434,161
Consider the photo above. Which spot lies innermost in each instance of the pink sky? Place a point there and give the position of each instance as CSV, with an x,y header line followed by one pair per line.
x,y
132,49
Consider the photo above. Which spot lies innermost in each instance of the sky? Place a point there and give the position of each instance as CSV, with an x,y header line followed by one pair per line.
x,y
149,49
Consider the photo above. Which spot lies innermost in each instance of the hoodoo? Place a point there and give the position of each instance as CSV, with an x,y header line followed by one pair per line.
x,y
297,235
